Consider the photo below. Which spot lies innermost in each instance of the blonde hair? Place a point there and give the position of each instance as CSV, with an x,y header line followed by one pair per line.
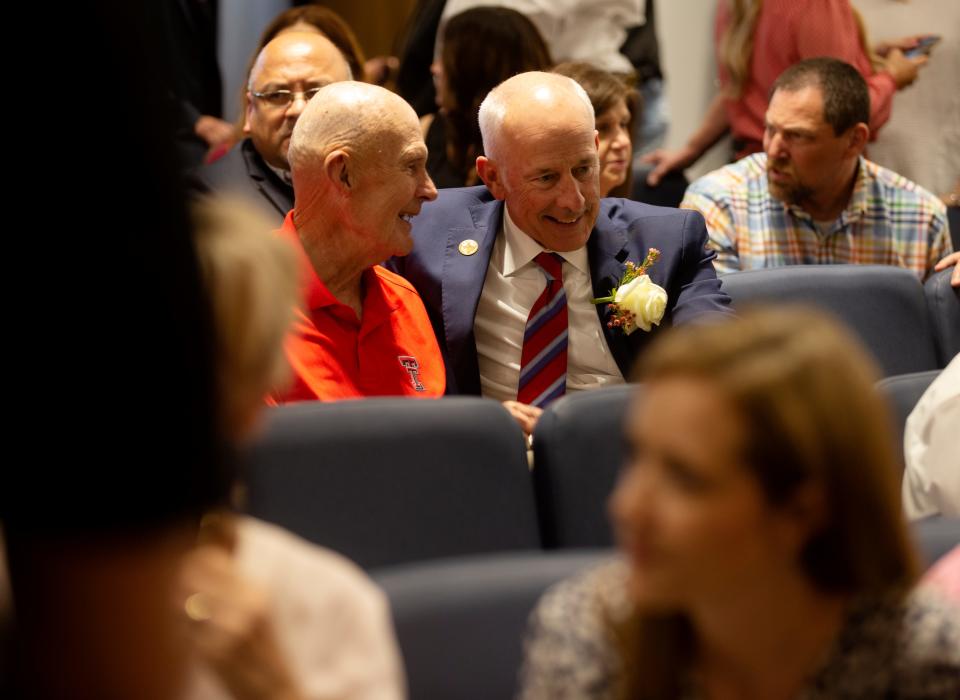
x,y
805,390
251,278
864,38
736,44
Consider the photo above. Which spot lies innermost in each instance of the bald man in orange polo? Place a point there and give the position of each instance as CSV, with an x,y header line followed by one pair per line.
x,y
358,163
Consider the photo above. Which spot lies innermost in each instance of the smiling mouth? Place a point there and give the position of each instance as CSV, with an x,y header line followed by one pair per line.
x,y
563,222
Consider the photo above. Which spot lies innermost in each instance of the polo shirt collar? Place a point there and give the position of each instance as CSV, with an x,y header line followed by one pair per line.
x,y
376,305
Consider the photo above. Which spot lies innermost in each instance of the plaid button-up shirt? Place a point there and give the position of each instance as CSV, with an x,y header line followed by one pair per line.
x,y
888,221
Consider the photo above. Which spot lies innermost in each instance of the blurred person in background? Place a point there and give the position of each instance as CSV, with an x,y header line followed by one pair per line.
x,y
756,41
812,197
931,475
288,71
480,48
922,139
302,18
616,106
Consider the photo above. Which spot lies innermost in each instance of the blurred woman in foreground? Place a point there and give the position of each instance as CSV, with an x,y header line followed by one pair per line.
x,y
269,615
765,555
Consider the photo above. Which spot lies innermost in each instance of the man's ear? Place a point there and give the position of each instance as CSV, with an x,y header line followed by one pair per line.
x,y
492,177
338,168
247,111
859,135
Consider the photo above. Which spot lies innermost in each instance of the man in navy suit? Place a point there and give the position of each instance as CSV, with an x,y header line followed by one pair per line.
x,y
476,260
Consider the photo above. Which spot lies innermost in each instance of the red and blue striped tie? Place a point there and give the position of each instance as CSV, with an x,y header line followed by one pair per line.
x,y
543,360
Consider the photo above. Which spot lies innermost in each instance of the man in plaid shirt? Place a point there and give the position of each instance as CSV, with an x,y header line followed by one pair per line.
x,y
812,198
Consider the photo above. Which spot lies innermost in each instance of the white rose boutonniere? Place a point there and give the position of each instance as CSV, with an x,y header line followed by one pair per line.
x,y
636,302
643,301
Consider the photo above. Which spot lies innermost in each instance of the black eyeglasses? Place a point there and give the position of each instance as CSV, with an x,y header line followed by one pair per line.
x,y
282,98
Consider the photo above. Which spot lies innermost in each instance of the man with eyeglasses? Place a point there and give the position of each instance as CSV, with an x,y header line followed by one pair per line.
x,y
287,73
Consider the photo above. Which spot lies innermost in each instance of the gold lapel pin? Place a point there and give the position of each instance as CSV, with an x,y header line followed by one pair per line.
x,y
468,247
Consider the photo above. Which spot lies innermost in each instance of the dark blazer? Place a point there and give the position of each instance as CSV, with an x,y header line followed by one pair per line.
x,y
450,282
244,173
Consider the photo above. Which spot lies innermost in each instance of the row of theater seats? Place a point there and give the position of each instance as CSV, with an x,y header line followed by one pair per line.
x,y
436,498
953,217
908,327
393,481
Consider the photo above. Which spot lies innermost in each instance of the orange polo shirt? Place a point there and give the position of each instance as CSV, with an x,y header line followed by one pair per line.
x,y
390,351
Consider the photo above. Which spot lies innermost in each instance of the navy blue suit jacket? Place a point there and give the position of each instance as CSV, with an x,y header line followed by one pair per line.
x,y
450,282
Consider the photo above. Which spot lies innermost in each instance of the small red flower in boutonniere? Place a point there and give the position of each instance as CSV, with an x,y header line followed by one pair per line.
x,y
636,302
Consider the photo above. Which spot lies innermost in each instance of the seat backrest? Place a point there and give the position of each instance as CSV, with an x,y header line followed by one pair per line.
x,y
902,393
935,536
943,303
578,451
953,217
392,480
461,623
882,305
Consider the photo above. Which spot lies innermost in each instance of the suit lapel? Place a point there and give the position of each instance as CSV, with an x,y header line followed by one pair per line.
x,y
607,251
462,282
274,189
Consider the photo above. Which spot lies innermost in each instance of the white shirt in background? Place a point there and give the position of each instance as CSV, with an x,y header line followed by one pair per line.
x,y
931,446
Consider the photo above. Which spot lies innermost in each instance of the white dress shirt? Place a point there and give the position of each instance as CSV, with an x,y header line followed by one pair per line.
x,y
591,31
512,285
931,479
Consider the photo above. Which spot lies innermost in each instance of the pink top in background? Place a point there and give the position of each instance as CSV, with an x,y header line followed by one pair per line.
x,y
789,31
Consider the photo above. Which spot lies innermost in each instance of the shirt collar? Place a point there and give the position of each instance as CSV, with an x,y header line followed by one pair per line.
x,y
284,175
315,294
520,249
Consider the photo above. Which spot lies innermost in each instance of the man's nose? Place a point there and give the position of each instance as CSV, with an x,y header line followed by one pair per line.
x,y
621,139
428,190
297,105
776,147
570,196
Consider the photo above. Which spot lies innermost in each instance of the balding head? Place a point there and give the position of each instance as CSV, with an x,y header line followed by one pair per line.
x,y
528,97
358,161
540,149
353,116
297,62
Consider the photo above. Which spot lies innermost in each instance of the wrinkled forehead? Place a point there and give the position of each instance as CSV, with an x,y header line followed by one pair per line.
x,y
395,137
568,132
801,106
390,132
